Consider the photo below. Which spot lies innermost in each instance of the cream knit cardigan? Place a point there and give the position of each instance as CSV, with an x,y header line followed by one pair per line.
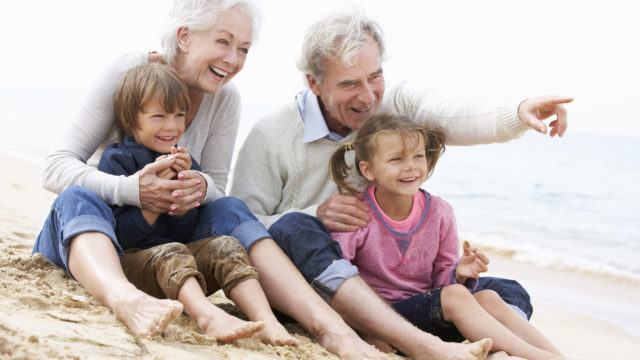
x,y
277,173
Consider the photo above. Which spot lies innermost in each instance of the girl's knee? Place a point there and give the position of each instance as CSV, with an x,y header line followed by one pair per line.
x,y
489,299
455,295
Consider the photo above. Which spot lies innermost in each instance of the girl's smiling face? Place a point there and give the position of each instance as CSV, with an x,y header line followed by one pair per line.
x,y
398,166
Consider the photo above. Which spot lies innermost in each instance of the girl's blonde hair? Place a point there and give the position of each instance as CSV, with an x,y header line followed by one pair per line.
x,y
364,146
143,83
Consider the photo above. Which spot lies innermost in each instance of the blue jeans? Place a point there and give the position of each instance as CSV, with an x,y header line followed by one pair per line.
x,y
77,210
318,257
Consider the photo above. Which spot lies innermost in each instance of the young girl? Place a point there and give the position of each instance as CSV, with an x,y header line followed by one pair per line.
x,y
179,255
408,253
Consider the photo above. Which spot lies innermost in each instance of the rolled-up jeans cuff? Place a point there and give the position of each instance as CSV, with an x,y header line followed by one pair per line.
x,y
329,281
84,224
249,232
519,311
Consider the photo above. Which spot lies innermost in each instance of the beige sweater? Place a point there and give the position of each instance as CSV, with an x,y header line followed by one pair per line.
x,y
277,173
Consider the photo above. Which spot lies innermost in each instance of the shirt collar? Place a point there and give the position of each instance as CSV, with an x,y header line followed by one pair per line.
x,y
315,127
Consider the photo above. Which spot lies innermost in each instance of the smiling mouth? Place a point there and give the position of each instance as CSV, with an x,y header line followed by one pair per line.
x,y
166,138
407,180
217,72
363,110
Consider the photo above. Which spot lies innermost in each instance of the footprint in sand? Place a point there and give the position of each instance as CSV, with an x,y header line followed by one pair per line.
x,y
33,303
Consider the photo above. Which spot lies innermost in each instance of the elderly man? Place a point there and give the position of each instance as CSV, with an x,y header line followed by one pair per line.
x,y
282,174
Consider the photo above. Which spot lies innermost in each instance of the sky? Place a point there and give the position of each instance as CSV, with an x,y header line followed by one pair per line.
x,y
488,49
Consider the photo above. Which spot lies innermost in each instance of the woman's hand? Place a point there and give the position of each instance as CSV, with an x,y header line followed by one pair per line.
x,y
168,173
471,264
191,193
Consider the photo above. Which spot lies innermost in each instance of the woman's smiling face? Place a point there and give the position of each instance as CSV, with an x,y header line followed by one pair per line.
x,y
209,59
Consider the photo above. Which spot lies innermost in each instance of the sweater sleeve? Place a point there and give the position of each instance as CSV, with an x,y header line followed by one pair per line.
x,y
258,176
215,160
66,164
463,122
445,262
350,242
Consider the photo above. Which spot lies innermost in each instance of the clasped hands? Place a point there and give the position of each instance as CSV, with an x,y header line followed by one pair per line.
x,y
169,186
471,264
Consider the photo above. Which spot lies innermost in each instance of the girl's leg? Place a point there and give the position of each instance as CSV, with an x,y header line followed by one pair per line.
x,y
170,270
462,309
224,262
78,236
495,306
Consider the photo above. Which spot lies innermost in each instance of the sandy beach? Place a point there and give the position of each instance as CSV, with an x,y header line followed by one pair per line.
x,y
45,314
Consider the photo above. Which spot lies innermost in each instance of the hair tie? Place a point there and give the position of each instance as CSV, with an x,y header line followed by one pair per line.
x,y
348,146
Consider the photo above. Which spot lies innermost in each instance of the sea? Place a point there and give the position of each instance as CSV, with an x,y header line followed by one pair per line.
x,y
563,203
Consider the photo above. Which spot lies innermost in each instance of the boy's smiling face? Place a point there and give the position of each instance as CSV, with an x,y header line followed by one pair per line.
x,y
158,129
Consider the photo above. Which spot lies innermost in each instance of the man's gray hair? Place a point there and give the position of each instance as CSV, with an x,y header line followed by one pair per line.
x,y
338,36
200,15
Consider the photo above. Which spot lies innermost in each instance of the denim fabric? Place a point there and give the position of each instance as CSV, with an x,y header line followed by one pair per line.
x,y
312,250
75,211
510,291
425,310
231,217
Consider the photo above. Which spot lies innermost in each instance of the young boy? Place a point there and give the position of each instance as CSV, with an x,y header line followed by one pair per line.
x,y
179,257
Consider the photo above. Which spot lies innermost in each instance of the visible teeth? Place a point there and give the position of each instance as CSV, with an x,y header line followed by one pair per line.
x,y
166,138
218,71
408,179
362,109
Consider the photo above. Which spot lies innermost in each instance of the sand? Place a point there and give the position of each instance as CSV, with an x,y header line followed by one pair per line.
x,y
45,314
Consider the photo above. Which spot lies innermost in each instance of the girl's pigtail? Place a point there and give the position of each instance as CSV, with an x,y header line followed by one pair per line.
x,y
434,144
339,170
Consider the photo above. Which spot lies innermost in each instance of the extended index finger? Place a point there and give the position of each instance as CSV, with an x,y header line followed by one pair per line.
x,y
551,100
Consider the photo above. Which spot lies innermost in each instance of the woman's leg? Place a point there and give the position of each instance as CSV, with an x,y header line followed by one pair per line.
x,y
462,309
169,270
78,236
501,311
225,263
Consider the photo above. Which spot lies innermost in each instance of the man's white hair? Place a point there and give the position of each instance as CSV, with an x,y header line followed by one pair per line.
x,y
200,15
338,36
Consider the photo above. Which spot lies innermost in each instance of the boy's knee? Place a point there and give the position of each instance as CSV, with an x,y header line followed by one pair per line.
x,y
226,247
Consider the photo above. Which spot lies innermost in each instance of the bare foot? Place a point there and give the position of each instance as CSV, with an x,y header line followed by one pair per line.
x,y
348,345
145,315
501,355
275,334
473,351
226,328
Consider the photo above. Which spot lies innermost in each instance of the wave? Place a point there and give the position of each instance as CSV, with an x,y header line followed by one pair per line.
x,y
547,258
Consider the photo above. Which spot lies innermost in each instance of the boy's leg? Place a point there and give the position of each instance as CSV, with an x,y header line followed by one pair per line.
x,y
169,270
460,307
78,236
499,309
312,250
224,262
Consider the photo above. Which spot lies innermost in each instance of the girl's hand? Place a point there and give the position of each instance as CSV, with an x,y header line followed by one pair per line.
x,y
183,159
471,264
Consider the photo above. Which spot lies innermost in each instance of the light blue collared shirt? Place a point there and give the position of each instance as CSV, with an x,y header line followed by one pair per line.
x,y
315,127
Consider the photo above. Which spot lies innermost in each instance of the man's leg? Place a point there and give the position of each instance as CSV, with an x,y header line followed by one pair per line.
x,y
308,244
285,288
78,236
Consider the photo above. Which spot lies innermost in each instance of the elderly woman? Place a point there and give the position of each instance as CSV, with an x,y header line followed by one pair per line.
x,y
206,43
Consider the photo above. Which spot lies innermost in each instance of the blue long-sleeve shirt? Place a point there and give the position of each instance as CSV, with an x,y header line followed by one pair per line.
x,y
132,230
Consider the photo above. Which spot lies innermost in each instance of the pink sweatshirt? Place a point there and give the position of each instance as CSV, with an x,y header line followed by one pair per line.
x,y
401,264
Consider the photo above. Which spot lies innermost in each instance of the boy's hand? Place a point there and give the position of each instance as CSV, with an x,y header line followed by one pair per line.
x,y
183,159
471,264
168,173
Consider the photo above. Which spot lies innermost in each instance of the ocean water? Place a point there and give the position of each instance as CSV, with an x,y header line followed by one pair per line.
x,y
572,202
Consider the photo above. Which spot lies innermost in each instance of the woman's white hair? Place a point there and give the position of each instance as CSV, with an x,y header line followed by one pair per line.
x,y
200,15
338,36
